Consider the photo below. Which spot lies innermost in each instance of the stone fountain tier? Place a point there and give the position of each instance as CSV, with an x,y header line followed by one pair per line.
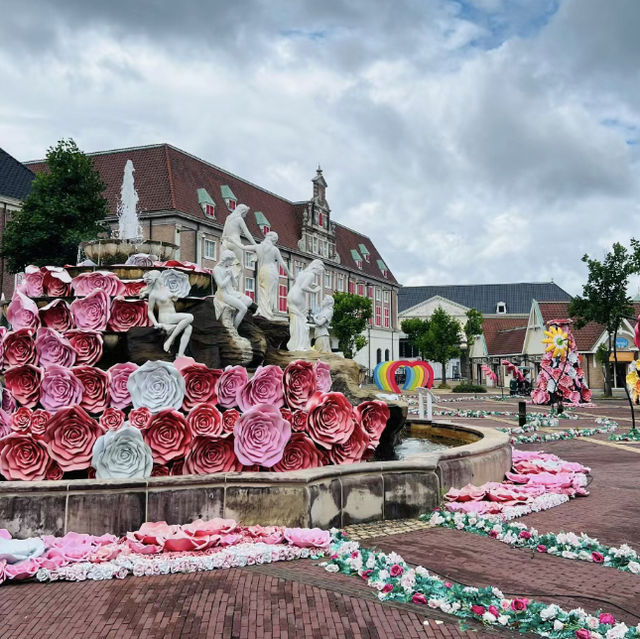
x,y
114,251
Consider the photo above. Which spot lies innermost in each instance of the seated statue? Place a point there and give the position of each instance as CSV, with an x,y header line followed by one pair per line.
x,y
305,282
227,292
322,321
168,320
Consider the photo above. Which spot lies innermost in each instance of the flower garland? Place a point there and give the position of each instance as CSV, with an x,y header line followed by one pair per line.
x,y
632,435
567,545
395,580
604,425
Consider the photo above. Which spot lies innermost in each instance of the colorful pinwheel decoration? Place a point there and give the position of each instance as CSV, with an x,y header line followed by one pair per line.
x,y
557,341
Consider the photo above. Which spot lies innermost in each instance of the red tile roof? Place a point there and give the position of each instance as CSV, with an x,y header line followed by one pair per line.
x,y
585,337
504,335
167,179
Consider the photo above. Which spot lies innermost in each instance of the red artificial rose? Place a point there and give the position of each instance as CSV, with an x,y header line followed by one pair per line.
x,y
21,419
132,288
330,419
95,397
287,414
299,421
56,315
229,419
70,436
209,455
206,419
126,314
299,383
39,420
87,345
478,610
54,472
112,419
23,457
56,282
24,383
200,384
140,417
373,416
353,449
168,436
300,453
176,467
19,348
160,470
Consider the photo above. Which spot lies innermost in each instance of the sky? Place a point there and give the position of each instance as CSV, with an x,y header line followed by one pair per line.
x,y
474,141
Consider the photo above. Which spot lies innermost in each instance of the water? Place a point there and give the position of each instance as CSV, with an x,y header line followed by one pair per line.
x,y
418,446
128,222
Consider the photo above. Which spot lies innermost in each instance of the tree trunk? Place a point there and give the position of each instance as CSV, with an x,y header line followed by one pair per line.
x,y
608,386
626,388
444,373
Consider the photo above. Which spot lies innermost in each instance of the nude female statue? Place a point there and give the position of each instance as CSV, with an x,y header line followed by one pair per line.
x,y
227,285
299,308
234,228
174,324
269,263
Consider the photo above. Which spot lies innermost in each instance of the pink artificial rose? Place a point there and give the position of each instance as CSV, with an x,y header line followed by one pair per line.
x,y
168,436
91,313
87,345
300,453
95,396
56,282
22,312
323,377
540,397
126,314
206,419
524,534
23,457
21,420
39,420
32,281
541,548
597,557
54,472
112,418
19,348
22,570
133,287
387,588
86,283
583,633
574,397
418,598
585,393
299,382
607,618
478,610
519,604
56,315
308,537
210,455
54,349
229,419
261,435
229,385
265,387
60,388
200,384
119,376
70,436
140,417
24,384
373,415
330,419
494,611
352,450
299,421
287,414
396,570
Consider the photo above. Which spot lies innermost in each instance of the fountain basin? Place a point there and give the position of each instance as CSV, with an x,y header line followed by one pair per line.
x,y
114,251
324,497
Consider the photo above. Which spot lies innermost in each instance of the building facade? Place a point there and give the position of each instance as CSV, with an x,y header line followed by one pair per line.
x,y
185,200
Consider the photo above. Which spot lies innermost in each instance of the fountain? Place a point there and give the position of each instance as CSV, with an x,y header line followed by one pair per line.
x,y
128,239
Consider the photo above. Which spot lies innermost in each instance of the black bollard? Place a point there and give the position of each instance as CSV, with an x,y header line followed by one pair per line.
x,y
522,413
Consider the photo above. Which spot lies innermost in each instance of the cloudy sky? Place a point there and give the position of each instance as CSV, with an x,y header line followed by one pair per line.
x,y
473,140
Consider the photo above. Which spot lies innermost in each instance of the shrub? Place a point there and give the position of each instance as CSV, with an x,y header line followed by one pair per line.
x,y
467,387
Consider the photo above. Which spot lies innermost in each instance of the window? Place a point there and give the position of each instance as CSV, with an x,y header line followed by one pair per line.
x,y
249,259
320,220
283,273
250,287
361,290
210,210
359,264
352,287
378,315
210,247
378,355
327,279
370,292
297,267
378,294
501,308
282,298
406,349
386,317
386,297
386,354
207,204
341,283
265,229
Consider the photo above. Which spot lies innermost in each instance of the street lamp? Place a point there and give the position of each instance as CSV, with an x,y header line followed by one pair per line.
x,y
463,347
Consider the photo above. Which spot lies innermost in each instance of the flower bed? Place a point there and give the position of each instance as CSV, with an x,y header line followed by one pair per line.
x,y
604,425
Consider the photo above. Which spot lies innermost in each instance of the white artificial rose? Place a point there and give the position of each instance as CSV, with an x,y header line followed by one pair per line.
x,y
503,620
618,631
122,454
634,567
177,282
488,617
156,386
558,625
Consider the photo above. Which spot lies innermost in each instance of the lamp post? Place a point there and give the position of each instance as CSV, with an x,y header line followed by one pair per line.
x,y
463,355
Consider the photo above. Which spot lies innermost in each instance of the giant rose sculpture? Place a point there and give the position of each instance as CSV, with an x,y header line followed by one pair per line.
x,y
156,386
122,454
261,435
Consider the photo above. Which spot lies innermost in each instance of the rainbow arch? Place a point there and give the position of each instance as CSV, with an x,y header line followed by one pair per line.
x,y
418,374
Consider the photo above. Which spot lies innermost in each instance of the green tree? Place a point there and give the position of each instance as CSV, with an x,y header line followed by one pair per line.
x,y
472,330
64,208
350,315
605,299
437,338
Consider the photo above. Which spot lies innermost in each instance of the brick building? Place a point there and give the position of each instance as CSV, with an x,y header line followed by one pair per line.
x,y
185,200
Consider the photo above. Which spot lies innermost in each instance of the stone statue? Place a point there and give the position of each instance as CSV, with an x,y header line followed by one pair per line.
x,y
227,293
174,324
269,263
234,228
322,321
299,307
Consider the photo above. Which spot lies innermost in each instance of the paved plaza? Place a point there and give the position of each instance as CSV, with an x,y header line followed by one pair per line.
x,y
300,599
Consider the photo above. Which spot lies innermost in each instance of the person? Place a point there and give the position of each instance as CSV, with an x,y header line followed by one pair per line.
x,y
305,282
232,232
227,285
269,264
174,324
322,321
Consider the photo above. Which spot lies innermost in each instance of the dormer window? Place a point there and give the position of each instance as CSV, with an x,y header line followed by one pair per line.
x,y
356,258
501,308
229,198
262,222
207,204
365,253
383,268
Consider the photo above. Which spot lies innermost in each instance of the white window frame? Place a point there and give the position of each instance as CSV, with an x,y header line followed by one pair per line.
x,y
386,297
327,279
340,285
207,254
249,259
249,289
378,294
